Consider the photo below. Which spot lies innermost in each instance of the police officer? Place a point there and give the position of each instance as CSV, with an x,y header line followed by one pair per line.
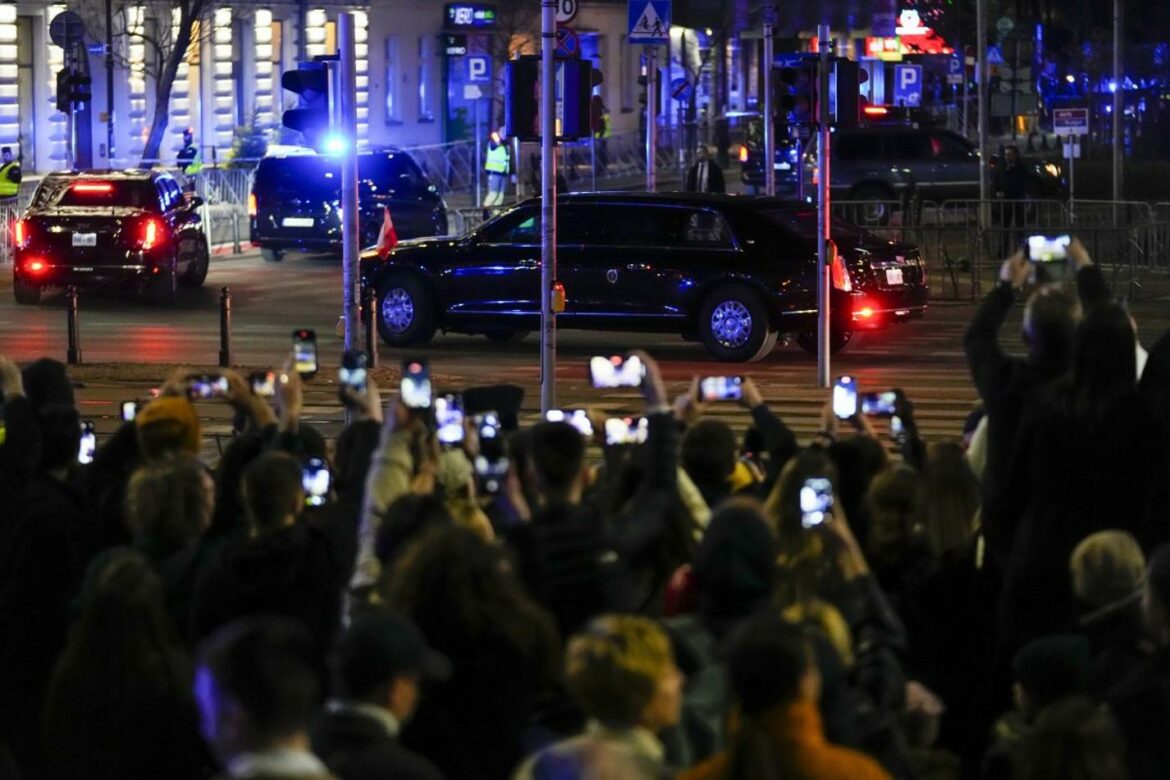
x,y
498,165
9,174
189,160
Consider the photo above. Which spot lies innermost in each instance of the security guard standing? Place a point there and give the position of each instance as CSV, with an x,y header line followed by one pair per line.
x,y
189,160
498,165
9,175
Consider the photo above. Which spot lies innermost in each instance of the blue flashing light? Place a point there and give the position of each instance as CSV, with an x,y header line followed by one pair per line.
x,y
334,143
1112,86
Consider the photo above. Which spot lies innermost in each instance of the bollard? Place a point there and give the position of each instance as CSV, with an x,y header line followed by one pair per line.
x,y
370,314
225,326
73,353
236,248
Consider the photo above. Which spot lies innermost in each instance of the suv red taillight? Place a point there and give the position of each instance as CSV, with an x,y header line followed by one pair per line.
x,y
20,233
743,153
838,273
251,204
151,233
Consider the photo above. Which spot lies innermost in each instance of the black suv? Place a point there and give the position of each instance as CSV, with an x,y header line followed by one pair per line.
x,y
109,228
296,201
892,163
730,271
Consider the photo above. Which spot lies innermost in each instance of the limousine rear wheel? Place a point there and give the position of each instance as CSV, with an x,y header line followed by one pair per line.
x,y
27,293
733,324
406,311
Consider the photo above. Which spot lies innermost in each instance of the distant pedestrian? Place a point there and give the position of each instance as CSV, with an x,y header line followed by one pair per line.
x,y
705,175
9,174
1011,184
498,165
189,160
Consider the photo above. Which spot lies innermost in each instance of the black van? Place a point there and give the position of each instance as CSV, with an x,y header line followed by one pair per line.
x,y
296,201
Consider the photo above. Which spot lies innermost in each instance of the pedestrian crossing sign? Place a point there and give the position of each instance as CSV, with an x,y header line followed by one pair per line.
x,y
649,21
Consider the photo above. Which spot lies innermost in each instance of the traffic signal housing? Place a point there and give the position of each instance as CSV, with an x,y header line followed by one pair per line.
x,y
522,98
845,92
642,99
316,85
73,87
794,91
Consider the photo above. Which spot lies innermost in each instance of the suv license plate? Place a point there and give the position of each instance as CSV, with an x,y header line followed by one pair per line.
x,y
306,222
85,239
893,276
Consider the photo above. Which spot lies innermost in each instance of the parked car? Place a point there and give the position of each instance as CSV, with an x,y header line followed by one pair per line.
x,y
732,272
888,165
295,203
129,228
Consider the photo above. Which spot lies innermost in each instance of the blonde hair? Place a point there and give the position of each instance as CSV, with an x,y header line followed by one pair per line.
x,y
612,668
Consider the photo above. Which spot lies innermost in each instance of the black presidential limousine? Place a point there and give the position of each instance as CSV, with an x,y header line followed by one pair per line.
x,y
733,272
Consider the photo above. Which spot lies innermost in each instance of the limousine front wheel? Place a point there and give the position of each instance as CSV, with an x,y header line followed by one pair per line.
x,y
406,311
733,324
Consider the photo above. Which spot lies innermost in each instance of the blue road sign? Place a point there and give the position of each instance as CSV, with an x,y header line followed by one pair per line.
x,y
680,89
479,69
568,44
955,69
649,21
908,85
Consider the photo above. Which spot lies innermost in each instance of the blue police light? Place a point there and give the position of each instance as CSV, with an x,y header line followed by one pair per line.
x,y
1112,86
334,143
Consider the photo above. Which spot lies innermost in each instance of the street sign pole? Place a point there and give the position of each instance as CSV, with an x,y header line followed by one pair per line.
x,y
963,121
548,203
823,209
651,117
479,155
1118,92
981,85
1072,193
769,120
351,296
109,85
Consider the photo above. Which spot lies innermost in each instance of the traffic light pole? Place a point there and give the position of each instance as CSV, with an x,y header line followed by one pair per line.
x,y
769,120
548,206
350,219
823,209
110,84
651,118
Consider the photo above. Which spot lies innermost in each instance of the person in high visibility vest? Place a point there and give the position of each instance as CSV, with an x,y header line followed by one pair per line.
x,y
9,174
498,165
189,160
602,137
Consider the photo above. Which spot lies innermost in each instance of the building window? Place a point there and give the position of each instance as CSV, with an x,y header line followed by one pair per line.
x,y
426,107
393,98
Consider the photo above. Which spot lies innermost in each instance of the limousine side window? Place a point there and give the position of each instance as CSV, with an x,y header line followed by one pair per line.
x,y
706,230
521,227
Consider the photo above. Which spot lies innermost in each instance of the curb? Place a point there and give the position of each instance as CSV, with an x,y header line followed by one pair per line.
x,y
226,248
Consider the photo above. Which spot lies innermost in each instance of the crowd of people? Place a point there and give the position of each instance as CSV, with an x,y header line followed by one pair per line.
x,y
993,606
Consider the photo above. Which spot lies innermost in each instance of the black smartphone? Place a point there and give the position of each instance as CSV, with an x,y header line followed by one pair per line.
x,y
449,419
616,371
575,417
721,388
415,387
201,387
263,383
315,480
88,445
882,404
626,430
1049,253
305,352
845,397
816,502
353,371
129,410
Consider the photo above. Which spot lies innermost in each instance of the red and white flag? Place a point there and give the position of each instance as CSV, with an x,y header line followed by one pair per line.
x,y
388,238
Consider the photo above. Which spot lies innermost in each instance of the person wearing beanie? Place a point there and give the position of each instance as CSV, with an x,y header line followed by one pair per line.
x,y
1108,572
776,729
1046,671
1139,702
168,424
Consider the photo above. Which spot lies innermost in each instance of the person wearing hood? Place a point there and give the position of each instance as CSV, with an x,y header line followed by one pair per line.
x,y
285,567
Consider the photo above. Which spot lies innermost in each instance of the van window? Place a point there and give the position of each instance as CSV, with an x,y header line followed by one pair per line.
x,y
391,171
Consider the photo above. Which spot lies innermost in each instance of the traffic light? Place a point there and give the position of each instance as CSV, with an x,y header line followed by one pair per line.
x,y
64,91
794,90
657,93
314,115
845,95
522,98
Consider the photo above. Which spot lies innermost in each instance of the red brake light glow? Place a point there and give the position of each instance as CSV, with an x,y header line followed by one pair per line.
x,y
743,154
93,187
251,204
151,234
876,111
864,314
35,266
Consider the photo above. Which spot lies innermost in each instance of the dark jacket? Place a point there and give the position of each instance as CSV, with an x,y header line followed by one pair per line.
x,y
1008,386
714,178
1141,705
357,747
291,572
